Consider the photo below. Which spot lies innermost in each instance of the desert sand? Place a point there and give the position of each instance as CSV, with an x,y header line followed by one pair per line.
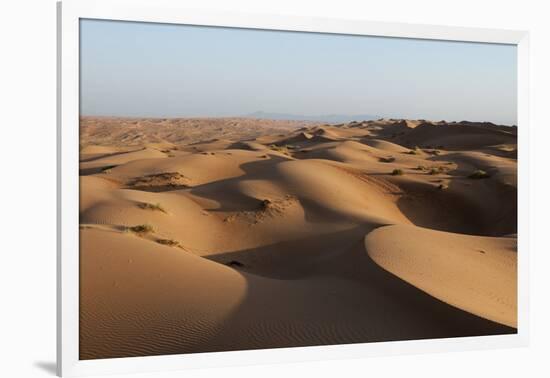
x,y
202,235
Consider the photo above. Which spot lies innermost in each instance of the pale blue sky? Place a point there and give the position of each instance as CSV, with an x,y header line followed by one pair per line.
x,y
159,70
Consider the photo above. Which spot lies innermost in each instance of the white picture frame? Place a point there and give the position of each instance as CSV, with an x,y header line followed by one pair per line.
x,y
169,11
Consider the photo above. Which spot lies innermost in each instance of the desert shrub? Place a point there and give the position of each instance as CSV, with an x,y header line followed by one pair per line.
x,y
168,242
265,204
436,170
282,149
479,174
141,228
432,152
421,168
107,168
389,159
397,172
151,206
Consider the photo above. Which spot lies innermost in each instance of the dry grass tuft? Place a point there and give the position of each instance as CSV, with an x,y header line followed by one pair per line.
x,y
479,174
141,228
397,172
151,206
389,159
281,149
107,168
169,242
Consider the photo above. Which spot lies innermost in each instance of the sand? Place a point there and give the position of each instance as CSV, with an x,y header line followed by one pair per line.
x,y
202,235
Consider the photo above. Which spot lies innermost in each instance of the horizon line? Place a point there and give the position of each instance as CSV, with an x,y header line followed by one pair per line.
x,y
296,120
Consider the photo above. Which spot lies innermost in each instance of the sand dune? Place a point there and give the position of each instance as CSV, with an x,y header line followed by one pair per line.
x,y
476,274
454,136
132,291
106,131
385,145
205,235
109,161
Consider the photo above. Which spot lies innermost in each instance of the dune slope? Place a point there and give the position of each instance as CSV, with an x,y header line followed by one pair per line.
x,y
474,273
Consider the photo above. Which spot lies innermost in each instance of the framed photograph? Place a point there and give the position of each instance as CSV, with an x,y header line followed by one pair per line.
x,y
255,188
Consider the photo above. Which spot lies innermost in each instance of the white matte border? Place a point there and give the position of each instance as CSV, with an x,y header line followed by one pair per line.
x,y
169,11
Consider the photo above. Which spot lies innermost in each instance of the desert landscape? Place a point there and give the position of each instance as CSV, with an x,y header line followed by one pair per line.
x,y
219,234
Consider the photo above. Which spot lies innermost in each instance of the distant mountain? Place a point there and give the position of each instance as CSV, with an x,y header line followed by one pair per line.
x,y
328,118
